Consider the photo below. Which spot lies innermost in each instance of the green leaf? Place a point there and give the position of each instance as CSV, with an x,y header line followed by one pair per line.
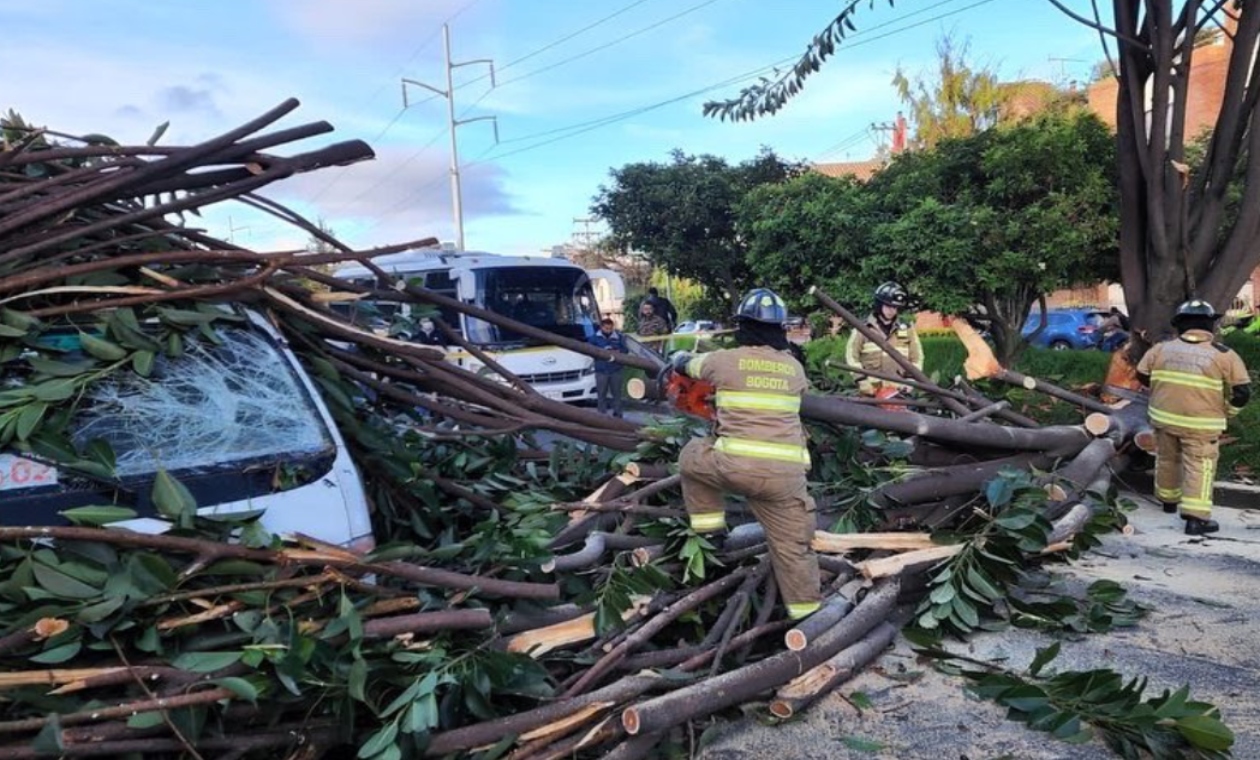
x,y
978,581
157,133
142,363
55,390
1025,698
379,741
943,594
999,491
859,744
1206,732
171,497
29,419
205,662
1043,657
860,700
58,369
7,331
185,318
145,720
241,687
100,348
97,516
356,680
95,613
62,585
58,655
49,739
18,319
1017,519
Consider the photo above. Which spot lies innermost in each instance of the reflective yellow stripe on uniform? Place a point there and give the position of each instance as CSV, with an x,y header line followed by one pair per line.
x,y
1187,380
798,610
779,452
1161,417
1168,494
768,402
708,522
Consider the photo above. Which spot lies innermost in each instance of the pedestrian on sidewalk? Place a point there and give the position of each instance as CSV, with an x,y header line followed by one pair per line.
x,y
663,307
608,374
653,324
1196,385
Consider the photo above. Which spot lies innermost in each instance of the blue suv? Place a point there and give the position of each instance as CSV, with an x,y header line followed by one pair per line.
x,y
1066,328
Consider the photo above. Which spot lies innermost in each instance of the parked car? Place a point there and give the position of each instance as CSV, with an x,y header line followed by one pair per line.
x,y
696,326
1066,328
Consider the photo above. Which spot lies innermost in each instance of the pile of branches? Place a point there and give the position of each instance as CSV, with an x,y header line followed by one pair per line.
x,y
520,602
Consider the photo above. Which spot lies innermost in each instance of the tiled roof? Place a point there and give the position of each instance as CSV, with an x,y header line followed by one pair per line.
x,y
862,170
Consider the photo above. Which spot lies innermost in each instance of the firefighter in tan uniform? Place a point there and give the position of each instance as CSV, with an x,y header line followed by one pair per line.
x,y
890,299
759,447
1196,386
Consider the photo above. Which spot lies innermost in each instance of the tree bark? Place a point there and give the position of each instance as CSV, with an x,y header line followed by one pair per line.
x,y
737,686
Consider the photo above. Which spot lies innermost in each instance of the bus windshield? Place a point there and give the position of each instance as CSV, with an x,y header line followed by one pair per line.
x,y
556,299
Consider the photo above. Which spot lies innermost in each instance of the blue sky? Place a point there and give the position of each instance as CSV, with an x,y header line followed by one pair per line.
x,y
568,110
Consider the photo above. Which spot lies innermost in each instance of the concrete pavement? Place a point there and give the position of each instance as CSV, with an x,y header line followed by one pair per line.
x,y
1203,629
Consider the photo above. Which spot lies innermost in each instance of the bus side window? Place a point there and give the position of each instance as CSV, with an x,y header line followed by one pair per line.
x,y
443,283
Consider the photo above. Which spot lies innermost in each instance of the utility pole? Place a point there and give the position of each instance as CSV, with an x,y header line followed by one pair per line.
x,y
233,229
586,238
457,193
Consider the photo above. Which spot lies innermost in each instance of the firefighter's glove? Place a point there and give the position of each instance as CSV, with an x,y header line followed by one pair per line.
x,y
678,362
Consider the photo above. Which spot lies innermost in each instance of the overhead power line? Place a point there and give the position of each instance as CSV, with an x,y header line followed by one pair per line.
x,y
573,130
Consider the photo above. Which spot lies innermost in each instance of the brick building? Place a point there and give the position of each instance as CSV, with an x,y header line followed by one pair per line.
x,y
1205,92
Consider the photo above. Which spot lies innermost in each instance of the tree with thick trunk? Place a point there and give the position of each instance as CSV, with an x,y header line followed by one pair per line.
x,y
1180,233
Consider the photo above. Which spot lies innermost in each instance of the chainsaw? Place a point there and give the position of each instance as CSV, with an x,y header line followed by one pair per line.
x,y
689,395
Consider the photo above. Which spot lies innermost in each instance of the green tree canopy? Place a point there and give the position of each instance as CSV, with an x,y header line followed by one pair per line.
x,y
811,229
1177,238
957,100
681,214
980,226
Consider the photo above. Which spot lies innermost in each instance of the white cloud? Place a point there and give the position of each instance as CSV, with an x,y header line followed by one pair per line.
x,y
398,196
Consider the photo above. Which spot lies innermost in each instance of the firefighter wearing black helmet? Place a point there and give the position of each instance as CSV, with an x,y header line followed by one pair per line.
x,y
890,300
758,447
1196,385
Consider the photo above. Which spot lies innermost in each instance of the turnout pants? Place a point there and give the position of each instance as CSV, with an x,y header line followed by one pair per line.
x,y
1185,466
778,498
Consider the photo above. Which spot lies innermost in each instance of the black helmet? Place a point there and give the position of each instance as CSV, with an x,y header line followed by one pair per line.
x,y
1195,310
892,294
762,305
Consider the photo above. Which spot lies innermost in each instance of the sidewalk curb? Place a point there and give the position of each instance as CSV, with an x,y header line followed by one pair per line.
x,y
1225,493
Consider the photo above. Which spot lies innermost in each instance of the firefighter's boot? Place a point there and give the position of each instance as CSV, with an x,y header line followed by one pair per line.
x,y
1170,507
1197,526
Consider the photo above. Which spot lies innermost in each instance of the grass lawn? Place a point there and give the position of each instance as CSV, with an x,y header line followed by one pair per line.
x,y
1074,370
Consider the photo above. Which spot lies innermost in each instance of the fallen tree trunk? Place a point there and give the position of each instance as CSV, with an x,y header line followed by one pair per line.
x,y
736,686
951,481
1063,439
806,688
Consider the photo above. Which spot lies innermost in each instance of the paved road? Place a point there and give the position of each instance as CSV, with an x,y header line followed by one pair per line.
x,y
1204,630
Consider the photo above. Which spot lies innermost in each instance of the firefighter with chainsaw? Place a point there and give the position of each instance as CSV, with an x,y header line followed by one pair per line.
x,y
1196,385
758,448
890,300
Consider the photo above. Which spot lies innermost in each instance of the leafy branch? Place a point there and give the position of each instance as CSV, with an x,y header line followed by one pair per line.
x,y
770,94
1074,705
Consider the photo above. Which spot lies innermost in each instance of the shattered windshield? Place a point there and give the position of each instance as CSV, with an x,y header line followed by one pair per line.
x,y
557,299
214,406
